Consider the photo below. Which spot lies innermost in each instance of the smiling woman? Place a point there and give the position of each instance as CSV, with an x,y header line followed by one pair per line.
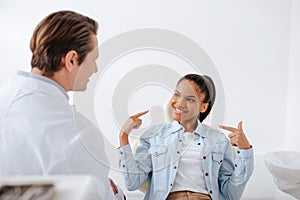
x,y
193,97
176,154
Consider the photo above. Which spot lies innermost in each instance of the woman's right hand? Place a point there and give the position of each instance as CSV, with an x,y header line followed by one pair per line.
x,y
133,122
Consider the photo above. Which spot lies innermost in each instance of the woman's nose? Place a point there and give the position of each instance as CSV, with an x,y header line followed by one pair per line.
x,y
180,101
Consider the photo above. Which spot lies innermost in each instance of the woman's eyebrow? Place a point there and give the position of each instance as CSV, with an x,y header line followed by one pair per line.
x,y
191,96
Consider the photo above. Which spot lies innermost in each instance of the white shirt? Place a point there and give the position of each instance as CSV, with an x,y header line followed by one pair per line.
x,y
40,133
189,174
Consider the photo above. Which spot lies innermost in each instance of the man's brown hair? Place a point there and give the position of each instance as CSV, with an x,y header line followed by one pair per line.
x,y
56,35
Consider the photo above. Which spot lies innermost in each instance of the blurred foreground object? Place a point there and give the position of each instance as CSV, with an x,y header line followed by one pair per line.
x,y
59,187
285,168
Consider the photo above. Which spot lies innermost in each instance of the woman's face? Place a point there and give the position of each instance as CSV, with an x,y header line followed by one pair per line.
x,y
187,102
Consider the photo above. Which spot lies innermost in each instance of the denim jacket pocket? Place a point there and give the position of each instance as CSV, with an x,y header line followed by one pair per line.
x,y
217,160
158,156
159,164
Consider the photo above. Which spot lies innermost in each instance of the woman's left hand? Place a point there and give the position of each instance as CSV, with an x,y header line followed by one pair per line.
x,y
113,186
237,136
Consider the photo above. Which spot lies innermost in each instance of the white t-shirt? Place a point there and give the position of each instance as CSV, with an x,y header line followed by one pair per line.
x,y
190,172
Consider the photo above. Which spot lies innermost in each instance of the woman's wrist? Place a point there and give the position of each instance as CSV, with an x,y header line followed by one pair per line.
x,y
123,134
123,138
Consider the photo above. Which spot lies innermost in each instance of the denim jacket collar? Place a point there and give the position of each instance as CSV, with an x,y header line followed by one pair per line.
x,y
175,126
200,130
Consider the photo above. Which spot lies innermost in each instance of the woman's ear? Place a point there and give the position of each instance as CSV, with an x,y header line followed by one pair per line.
x,y
203,107
70,60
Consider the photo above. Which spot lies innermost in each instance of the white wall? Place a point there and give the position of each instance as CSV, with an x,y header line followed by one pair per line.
x,y
254,45
293,95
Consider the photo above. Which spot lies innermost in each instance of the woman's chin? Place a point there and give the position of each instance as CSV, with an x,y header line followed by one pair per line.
x,y
176,118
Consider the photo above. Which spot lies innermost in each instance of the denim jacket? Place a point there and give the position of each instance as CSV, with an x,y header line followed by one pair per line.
x,y
157,156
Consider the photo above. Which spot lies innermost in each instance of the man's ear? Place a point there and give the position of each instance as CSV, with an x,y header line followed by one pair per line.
x,y
203,107
70,60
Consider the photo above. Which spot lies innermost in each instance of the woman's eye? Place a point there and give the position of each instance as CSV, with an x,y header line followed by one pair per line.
x,y
176,94
191,100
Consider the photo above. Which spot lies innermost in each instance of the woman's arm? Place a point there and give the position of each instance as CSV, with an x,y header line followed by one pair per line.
x,y
234,174
135,169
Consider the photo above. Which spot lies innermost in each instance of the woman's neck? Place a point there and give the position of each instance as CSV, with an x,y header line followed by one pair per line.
x,y
189,126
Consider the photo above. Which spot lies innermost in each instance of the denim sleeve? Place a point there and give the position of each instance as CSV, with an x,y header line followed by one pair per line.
x,y
234,174
135,168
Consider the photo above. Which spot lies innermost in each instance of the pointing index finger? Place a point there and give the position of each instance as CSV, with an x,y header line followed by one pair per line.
x,y
228,128
240,125
140,114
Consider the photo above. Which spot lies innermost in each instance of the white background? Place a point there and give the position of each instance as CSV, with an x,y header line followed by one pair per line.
x,y
254,44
